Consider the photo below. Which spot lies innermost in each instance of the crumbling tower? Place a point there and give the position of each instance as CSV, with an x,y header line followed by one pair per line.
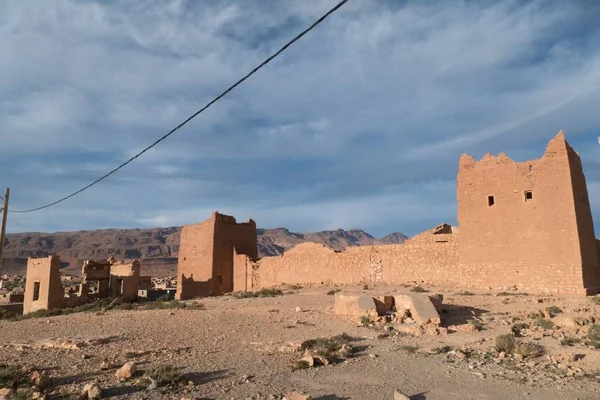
x,y
206,255
528,224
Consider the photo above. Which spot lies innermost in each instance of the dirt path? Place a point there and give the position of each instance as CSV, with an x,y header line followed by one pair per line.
x,y
235,349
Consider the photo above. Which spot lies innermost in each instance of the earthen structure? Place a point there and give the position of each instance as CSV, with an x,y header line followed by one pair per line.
x,y
100,279
43,289
207,252
524,225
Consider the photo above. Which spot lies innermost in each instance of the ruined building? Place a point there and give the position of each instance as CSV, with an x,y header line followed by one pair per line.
x,y
207,252
109,279
525,225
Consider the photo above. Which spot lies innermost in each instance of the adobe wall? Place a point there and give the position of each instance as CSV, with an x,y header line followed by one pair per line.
x,y
125,280
206,255
194,265
45,272
231,238
533,243
427,257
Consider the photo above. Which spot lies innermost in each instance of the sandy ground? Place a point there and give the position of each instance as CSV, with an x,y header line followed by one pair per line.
x,y
236,349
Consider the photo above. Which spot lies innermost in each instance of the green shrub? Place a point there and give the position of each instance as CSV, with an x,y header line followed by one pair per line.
x,y
419,289
544,323
333,291
164,375
569,341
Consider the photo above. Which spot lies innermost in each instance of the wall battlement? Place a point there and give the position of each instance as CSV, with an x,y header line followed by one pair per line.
x,y
525,225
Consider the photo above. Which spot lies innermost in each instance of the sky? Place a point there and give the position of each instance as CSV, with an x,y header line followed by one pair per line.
x,y
360,124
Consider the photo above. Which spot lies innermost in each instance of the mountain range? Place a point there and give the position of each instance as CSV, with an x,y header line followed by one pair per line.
x,y
157,247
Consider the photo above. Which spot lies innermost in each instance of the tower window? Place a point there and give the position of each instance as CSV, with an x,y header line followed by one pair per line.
x,y
528,195
490,201
36,291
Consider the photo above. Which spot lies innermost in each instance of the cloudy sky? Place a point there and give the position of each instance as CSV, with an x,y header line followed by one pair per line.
x,y
358,125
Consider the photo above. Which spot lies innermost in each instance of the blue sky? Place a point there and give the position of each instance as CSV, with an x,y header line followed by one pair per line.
x,y
358,125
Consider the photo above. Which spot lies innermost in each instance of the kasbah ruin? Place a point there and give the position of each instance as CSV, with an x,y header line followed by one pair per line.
x,y
502,306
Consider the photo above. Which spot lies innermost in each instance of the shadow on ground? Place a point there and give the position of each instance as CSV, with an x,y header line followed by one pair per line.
x,y
200,378
458,315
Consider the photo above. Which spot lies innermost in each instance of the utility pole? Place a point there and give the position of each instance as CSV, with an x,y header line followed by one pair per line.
x,y
3,228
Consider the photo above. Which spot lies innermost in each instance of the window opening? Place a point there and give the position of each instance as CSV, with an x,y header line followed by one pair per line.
x,y
528,195
490,201
36,291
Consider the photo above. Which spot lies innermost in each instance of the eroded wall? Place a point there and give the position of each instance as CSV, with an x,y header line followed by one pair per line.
x,y
43,289
521,224
428,257
207,253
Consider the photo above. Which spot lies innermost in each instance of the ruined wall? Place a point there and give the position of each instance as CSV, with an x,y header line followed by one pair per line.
x,y
43,289
195,262
231,238
429,257
522,226
207,252
125,280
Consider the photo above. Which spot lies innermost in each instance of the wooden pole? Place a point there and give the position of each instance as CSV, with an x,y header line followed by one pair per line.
x,y
3,228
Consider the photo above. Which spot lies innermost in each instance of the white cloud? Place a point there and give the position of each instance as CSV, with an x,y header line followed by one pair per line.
x,y
360,114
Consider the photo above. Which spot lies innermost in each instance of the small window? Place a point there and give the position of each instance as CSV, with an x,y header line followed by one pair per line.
x,y
490,201
530,168
528,195
36,291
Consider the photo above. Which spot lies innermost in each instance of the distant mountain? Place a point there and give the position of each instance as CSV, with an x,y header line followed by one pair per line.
x,y
158,247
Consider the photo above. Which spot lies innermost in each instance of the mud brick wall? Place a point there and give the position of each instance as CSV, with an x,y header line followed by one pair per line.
x,y
43,273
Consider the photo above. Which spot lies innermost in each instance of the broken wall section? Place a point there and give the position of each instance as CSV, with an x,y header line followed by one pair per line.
x,y
43,288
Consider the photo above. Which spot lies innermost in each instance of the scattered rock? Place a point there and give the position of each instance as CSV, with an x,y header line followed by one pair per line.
x,y
6,394
298,309
466,328
91,391
398,395
126,371
38,379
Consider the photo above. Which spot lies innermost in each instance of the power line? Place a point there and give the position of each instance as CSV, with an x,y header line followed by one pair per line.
x,y
281,50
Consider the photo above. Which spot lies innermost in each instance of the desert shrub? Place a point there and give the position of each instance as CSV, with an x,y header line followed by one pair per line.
x,y
419,289
12,376
544,323
409,349
477,324
506,343
517,328
529,350
164,375
553,311
333,348
300,364
569,341
365,286
261,293
366,321
507,294
333,291
441,350
294,287
595,300
465,293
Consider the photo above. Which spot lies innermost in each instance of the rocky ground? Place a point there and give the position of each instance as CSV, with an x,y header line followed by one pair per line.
x,y
245,349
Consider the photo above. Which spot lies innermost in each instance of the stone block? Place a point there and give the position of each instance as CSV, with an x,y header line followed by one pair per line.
x,y
422,309
354,305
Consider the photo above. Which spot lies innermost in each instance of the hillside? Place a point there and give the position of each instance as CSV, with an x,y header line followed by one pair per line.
x,y
158,247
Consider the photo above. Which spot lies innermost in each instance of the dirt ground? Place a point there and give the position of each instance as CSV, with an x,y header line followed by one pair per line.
x,y
243,349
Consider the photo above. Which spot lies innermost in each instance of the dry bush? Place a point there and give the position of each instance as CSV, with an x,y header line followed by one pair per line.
x,y
506,343
529,350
